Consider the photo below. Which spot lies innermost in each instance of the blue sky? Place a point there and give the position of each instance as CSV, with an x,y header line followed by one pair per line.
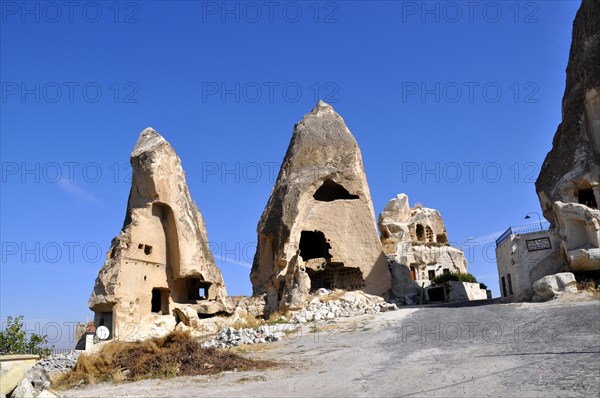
x,y
452,103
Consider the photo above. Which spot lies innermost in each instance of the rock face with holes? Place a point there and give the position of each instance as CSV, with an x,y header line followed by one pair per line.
x,y
318,228
160,264
569,182
416,245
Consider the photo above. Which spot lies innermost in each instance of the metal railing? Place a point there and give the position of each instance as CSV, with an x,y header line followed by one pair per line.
x,y
58,351
523,229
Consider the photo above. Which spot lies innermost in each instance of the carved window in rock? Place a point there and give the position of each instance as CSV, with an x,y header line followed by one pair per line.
x,y
586,197
330,191
147,249
431,274
197,289
420,233
314,245
428,234
191,289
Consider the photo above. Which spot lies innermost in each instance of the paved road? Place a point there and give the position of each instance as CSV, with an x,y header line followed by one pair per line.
x,y
508,350
544,349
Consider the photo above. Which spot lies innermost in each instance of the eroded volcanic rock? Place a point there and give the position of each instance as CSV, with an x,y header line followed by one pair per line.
x,y
569,182
318,228
416,244
160,260
571,170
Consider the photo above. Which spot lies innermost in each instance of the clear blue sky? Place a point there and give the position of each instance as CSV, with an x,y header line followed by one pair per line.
x,y
455,105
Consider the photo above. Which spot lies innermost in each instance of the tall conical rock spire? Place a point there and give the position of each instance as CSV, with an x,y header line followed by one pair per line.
x,y
318,228
160,262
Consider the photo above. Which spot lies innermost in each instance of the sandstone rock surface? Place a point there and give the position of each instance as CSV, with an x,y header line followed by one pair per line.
x,y
551,286
569,180
415,243
318,228
160,259
23,390
578,228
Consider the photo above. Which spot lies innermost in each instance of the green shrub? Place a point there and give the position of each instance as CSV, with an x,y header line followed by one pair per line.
x,y
13,339
441,279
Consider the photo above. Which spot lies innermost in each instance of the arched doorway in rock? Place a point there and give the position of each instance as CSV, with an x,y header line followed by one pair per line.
x,y
323,273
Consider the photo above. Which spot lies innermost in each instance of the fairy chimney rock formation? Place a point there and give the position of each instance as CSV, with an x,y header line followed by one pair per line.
x,y
318,228
569,182
415,243
160,262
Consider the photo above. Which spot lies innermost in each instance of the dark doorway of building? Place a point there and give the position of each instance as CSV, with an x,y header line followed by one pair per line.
x,y
314,245
586,197
104,319
431,274
160,301
330,191
436,294
413,273
503,287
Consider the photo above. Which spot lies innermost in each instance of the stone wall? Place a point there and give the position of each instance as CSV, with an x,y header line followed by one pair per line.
x,y
465,291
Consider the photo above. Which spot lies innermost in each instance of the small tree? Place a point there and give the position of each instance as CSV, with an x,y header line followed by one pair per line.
x,y
441,279
13,339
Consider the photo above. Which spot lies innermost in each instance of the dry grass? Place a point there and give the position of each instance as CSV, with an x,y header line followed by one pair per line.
x,y
249,321
334,295
324,327
177,354
276,318
589,285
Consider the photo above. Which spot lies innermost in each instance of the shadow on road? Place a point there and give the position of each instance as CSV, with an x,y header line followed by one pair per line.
x,y
540,353
473,303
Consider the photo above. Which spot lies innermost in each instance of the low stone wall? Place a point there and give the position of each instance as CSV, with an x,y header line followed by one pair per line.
x,y
465,291
12,370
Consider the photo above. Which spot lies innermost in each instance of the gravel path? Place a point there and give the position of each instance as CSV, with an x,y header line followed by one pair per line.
x,y
542,349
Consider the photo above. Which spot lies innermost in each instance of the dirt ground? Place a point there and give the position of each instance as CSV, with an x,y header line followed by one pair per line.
x,y
485,349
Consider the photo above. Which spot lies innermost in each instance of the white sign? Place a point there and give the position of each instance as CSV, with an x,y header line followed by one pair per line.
x,y
102,332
